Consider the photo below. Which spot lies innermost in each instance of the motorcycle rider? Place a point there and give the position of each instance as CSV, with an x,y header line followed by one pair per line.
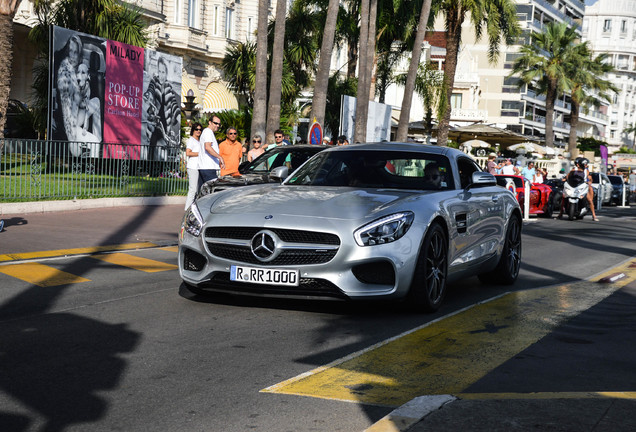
x,y
580,169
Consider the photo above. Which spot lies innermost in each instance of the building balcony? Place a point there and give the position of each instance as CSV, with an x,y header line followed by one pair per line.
x,y
184,37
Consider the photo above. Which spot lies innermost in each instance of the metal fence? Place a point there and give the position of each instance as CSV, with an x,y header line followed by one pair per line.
x,y
33,170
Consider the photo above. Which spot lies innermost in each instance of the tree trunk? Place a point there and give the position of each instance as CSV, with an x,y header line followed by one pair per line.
x,y
453,38
7,12
371,57
362,95
549,114
259,112
409,87
574,122
322,75
276,83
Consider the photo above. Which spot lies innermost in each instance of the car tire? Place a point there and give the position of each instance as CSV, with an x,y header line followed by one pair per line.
x,y
571,210
509,264
548,209
429,280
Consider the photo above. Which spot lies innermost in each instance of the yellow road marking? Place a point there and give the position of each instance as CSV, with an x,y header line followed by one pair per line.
x,y
40,274
135,262
548,395
446,356
76,251
174,249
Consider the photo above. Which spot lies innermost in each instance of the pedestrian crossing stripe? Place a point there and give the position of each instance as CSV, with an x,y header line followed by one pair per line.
x,y
48,276
74,251
134,262
40,274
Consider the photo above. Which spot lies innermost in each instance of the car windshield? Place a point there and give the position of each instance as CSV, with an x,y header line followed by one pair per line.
x,y
594,177
291,156
616,180
376,169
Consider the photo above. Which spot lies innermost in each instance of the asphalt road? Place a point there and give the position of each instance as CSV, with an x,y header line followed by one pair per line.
x,y
122,345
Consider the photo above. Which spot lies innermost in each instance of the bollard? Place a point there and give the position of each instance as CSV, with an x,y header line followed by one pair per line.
x,y
526,201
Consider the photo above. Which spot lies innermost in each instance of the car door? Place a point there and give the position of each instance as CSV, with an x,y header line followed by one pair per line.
x,y
478,215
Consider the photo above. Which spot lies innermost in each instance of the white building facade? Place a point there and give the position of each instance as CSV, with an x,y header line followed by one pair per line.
x,y
199,31
610,27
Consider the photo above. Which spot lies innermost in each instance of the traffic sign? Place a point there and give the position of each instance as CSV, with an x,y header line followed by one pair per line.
x,y
315,134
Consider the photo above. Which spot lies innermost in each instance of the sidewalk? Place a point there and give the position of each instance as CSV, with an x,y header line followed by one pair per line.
x,y
105,228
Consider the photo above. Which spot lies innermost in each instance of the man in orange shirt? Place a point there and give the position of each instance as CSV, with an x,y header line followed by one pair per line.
x,y
231,150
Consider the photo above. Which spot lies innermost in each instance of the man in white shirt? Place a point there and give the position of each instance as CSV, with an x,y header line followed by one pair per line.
x,y
508,169
210,160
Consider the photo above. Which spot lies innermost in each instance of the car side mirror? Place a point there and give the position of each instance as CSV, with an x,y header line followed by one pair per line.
x,y
279,173
481,179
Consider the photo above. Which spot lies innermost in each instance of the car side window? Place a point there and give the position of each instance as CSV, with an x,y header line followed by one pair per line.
x,y
466,167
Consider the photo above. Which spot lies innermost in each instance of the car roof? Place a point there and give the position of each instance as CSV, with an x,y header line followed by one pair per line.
x,y
399,146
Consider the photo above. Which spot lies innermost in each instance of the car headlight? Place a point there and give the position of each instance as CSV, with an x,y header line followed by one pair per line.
x,y
385,230
192,221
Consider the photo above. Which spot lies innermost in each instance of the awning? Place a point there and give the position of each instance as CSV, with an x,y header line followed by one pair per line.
x,y
188,84
218,98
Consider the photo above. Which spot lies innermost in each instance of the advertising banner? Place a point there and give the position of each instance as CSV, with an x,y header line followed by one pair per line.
x,y
378,120
122,116
109,94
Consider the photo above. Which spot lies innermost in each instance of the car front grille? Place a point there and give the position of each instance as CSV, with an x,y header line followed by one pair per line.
x,y
288,235
218,240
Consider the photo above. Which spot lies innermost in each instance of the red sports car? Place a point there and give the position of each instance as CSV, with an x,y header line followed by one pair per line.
x,y
541,198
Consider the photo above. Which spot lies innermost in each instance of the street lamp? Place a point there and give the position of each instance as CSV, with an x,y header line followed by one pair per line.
x,y
189,104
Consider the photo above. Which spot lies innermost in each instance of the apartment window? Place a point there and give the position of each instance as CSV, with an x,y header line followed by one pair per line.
x,y
511,85
511,108
215,21
229,23
623,27
456,100
607,26
193,13
510,59
178,10
250,29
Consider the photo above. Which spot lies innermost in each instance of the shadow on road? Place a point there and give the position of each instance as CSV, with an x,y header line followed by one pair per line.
x,y
56,364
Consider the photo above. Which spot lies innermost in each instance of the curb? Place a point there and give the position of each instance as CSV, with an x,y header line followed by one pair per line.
x,y
405,416
84,204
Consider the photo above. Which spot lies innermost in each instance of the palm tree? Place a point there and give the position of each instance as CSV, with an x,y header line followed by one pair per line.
x,y
368,15
409,85
428,85
319,101
275,86
544,63
588,86
259,113
238,66
8,9
631,129
498,18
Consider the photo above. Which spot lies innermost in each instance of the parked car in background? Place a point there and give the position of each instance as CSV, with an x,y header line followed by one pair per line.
x,y
619,188
542,202
272,166
360,222
606,188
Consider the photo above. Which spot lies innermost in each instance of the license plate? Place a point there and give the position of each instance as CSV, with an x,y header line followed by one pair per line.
x,y
264,276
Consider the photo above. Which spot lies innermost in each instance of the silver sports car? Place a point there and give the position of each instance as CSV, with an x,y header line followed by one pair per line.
x,y
365,221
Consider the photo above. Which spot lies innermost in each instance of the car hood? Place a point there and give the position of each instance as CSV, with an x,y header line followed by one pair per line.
x,y
310,201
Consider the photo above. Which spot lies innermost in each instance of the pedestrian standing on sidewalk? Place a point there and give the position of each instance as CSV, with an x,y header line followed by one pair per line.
x,y
231,150
209,159
193,148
